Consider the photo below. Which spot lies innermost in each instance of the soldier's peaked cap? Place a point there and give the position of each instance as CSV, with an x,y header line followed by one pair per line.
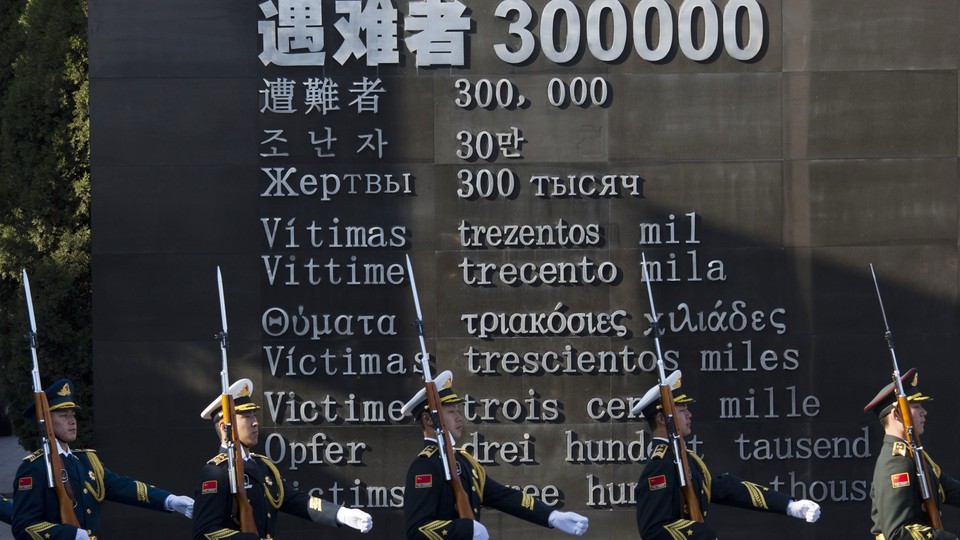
x,y
242,390
418,403
886,399
650,404
59,396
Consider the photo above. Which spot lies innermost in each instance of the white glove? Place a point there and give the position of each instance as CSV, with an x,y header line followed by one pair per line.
x,y
568,522
356,519
180,504
804,509
82,535
479,531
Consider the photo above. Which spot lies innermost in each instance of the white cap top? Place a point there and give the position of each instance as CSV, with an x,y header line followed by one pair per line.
x,y
241,392
653,394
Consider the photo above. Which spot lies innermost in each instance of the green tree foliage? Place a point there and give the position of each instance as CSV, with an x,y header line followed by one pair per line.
x,y
44,202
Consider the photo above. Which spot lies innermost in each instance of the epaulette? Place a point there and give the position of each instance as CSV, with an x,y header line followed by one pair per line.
x,y
899,449
34,456
84,450
659,451
218,459
429,451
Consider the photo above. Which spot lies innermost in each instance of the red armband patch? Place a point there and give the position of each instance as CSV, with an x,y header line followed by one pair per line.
x,y
423,481
25,483
657,482
900,480
208,487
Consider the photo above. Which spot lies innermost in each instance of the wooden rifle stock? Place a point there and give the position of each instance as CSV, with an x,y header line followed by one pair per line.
x,y
464,510
57,472
244,512
916,451
690,499
906,417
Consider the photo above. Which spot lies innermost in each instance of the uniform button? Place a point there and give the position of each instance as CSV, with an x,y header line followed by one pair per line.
x,y
268,514
85,491
89,511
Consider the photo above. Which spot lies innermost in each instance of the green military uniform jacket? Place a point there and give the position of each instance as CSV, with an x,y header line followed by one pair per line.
x,y
660,511
429,506
897,508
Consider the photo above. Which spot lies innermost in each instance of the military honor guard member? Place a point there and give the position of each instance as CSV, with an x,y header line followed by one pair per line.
x,y
660,512
429,508
36,514
269,494
897,507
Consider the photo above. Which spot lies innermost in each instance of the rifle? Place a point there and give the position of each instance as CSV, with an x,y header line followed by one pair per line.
x,y
447,456
51,457
666,399
906,416
234,458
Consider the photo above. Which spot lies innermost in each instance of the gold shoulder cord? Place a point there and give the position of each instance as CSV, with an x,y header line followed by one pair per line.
x,y
935,469
479,473
98,490
274,502
707,479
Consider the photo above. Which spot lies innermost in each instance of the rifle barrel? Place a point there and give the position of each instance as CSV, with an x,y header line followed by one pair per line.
x,y
51,458
666,399
445,448
235,472
906,417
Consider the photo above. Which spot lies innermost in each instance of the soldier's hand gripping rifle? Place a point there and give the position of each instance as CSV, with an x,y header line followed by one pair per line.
x,y
906,416
244,512
447,456
690,499
56,474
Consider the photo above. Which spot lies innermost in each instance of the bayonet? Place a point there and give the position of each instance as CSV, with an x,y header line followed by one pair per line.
x,y
56,475
906,416
235,472
446,451
690,499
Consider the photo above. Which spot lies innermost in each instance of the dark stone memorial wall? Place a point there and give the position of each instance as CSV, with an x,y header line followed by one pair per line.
x,y
525,154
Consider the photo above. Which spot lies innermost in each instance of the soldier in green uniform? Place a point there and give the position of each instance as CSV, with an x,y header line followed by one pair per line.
x,y
429,507
660,512
269,494
36,514
897,507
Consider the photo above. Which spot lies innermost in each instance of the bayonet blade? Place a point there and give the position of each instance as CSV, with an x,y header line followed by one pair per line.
x,y
880,298
424,356
26,290
413,286
223,305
